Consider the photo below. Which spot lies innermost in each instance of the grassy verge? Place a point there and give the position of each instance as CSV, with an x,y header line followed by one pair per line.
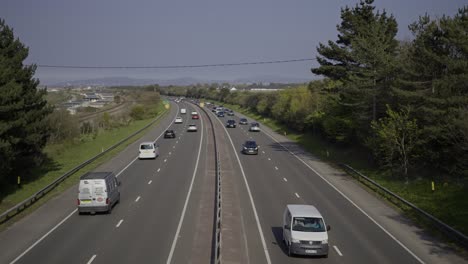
x,y
64,157
449,202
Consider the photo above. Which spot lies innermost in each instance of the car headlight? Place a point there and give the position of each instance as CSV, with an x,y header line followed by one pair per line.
x,y
245,148
325,241
295,240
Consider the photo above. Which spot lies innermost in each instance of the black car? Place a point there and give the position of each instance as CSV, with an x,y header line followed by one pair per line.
x,y
250,147
231,123
169,134
220,114
243,121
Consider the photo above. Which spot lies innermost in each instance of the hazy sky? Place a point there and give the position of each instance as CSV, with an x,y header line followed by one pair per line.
x,y
190,32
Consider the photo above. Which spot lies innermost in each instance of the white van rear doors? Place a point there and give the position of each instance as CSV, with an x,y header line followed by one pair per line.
x,y
92,193
85,194
100,193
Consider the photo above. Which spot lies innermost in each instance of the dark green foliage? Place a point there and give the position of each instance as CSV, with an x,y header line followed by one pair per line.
x,y
137,112
23,109
434,79
363,61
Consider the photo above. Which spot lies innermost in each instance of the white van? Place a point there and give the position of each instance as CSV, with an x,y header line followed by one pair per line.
x,y
98,192
304,230
148,150
183,111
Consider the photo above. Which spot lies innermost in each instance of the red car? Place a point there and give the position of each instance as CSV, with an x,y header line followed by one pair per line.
x,y
195,117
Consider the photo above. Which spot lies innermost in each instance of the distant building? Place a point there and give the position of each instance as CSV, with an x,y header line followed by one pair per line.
x,y
92,97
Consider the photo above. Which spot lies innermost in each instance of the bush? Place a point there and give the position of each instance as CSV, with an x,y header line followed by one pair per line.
x,y
137,112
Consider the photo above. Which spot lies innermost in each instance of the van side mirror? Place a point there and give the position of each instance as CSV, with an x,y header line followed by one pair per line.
x,y
328,227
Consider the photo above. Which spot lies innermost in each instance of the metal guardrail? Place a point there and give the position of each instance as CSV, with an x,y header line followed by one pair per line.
x,y
216,250
446,229
29,201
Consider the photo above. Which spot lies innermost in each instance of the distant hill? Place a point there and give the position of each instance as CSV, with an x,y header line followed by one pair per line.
x,y
125,81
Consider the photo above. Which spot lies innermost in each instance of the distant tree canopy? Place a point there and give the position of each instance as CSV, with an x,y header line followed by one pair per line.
x,y
23,109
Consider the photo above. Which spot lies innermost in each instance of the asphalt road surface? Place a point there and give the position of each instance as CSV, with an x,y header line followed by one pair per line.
x,y
166,213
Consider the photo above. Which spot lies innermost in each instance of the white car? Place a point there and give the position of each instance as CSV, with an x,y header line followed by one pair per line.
x,y
194,113
148,150
178,120
192,128
254,127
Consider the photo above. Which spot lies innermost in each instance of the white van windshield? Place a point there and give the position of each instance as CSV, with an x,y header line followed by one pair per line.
x,y
308,224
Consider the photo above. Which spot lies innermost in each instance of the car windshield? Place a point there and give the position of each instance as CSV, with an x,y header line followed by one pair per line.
x,y
243,120
308,224
146,146
250,144
255,124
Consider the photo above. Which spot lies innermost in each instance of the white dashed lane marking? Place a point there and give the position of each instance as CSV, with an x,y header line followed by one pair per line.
x,y
269,159
159,169
284,179
337,251
297,195
263,152
170,153
150,182
137,199
276,168
91,260
165,160
119,223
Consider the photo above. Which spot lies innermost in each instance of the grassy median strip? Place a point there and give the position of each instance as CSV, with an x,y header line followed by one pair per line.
x,y
66,156
447,203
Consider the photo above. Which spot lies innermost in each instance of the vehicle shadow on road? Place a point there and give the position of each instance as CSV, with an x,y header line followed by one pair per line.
x,y
278,234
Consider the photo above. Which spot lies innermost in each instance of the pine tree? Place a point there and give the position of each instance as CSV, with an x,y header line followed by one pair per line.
x,y
23,109
362,59
435,82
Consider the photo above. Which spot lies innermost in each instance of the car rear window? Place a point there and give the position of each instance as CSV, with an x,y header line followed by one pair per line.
x,y
146,146
250,144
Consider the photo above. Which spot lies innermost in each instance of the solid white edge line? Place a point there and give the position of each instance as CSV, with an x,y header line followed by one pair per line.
x,y
91,259
347,198
337,251
259,227
119,223
297,195
43,237
74,211
137,199
176,236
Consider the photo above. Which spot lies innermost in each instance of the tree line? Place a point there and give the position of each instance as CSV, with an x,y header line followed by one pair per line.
x,y
405,101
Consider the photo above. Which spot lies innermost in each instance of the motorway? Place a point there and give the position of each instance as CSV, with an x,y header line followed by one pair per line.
x,y
166,214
